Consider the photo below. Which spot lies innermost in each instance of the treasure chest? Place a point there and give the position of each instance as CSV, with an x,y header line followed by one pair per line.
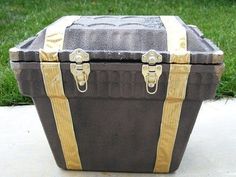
x,y
118,93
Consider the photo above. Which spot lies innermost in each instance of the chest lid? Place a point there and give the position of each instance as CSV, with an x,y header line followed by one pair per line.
x,y
120,39
150,40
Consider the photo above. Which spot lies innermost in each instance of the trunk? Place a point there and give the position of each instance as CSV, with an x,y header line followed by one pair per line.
x,y
118,93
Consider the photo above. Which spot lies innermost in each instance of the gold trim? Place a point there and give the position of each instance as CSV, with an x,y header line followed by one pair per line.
x,y
151,71
176,90
79,69
81,73
60,105
180,57
55,33
217,56
53,83
14,54
48,55
176,34
151,74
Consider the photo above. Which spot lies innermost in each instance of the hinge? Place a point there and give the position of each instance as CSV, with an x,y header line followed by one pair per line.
x,y
79,69
151,71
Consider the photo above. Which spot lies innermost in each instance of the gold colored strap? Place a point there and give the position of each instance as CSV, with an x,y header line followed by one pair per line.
x,y
55,33
54,88
53,83
176,34
176,90
180,57
48,55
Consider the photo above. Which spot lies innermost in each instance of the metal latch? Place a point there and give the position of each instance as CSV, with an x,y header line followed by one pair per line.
x,y
79,69
151,72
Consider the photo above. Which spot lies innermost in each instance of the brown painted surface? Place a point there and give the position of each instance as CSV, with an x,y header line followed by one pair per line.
x,y
116,122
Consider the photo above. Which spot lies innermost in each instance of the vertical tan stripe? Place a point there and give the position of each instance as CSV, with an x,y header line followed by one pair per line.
x,y
53,83
61,110
176,90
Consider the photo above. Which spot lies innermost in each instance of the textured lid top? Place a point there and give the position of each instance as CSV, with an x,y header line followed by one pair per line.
x,y
121,38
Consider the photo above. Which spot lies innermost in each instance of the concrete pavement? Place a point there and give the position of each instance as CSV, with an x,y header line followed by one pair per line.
x,y
24,151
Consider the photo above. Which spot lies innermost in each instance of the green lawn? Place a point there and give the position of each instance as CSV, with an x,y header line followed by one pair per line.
x,y
21,19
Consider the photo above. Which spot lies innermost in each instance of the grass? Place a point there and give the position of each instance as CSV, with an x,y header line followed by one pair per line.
x,y
21,19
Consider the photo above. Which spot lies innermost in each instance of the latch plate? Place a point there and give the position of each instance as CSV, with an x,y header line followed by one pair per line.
x,y
80,70
151,57
151,72
79,56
